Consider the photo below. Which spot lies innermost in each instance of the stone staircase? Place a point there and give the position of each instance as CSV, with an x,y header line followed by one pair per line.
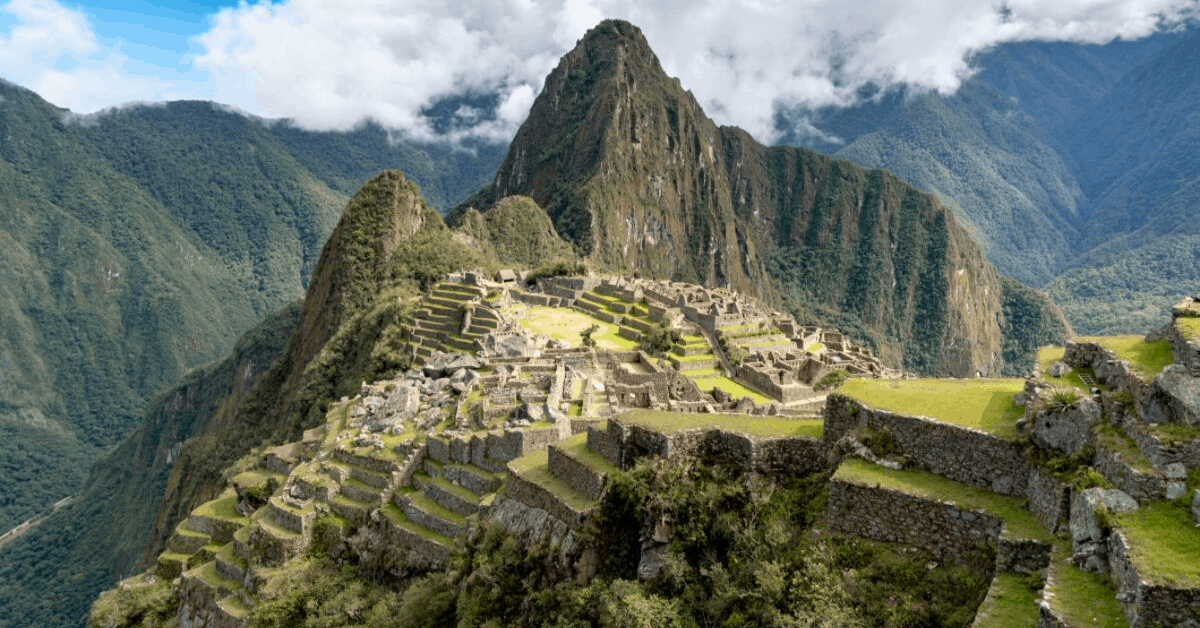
x,y
440,317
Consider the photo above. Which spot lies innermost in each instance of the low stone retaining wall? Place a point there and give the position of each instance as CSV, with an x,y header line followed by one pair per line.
x,y
491,450
1187,352
588,481
1147,604
1049,500
1162,454
536,496
623,444
1138,484
959,453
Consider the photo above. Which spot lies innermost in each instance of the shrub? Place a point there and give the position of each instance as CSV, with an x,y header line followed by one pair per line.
x,y
831,380
1061,397
586,335
561,268
736,355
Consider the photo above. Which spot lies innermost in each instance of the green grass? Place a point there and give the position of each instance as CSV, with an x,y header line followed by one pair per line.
x,y
1082,598
534,467
1164,543
428,505
576,447
984,404
1148,358
1010,603
733,388
1019,522
1189,327
223,507
1051,354
567,325
760,426
451,487
397,517
703,357
816,348
1113,439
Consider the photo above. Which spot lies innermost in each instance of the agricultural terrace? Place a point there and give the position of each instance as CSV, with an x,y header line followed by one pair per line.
x,y
1018,522
568,325
1189,326
1148,358
759,426
983,404
1081,598
1164,543
1051,354
1010,603
717,379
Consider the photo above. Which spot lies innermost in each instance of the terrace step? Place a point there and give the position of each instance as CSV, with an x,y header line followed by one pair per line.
x,y
531,482
171,564
186,541
424,511
685,366
690,349
428,543
1070,595
348,507
454,498
474,479
286,516
459,343
360,491
442,306
582,469
228,566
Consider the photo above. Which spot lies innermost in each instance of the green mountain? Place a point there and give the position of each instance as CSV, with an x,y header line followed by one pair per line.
x,y
635,175
138,243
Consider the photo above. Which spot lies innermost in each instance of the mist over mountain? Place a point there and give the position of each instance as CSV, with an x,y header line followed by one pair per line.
x,y
1072,165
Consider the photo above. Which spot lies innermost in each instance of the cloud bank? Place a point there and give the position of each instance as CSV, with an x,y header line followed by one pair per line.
x,y
330,65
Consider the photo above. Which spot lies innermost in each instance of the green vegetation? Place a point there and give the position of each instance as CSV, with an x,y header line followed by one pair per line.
x,y
1148,358
985,404
759,426
569,325
1164,543
1112,438
585,336
1189,327
1011,603
1019,522
1082,598
534,467
1054,353
562,268
135,604
1031,321
831,380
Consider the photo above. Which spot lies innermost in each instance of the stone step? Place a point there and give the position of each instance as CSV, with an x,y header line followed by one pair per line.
x,y
186,541
430,544
350,508
445,307
298,520
431,328
361,491
422,510
454,498
531,483
229,566
684,366
638,324
460,344
582,469
474,479
629,332
171,564
274,544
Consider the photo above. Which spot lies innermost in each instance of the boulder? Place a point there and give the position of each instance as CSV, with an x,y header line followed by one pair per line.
x,y
1067,430
1173,397
1089,537
1196,507
1058,369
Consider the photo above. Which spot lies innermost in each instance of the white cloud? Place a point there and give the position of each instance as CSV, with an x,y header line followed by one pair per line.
x,y
330,64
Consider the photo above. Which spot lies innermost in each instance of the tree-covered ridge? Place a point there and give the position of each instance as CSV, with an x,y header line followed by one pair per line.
x,y
138,243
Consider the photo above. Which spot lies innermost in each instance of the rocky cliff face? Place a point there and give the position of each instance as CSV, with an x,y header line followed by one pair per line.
x,y
631,170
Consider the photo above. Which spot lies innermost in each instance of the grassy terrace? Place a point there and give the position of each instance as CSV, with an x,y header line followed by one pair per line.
x,y
1189,326
1010,603
1019,522
1082,598
1049,355
534,467
984,404
1148,358
222,507
397,517
1113,439
1164,543
761,426
567,325
576,447
728,385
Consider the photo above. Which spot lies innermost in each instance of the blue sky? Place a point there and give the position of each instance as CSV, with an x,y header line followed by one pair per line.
x,y
329,64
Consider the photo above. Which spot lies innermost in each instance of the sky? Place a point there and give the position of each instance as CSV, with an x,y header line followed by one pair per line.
x,y
331,65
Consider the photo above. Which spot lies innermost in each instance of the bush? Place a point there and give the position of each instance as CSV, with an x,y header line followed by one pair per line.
x,y
586,335
736,355
660,338
1061,397
831,380
561,268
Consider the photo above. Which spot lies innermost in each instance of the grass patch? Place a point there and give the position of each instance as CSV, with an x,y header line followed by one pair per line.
x,y
1172,433
984,404
1082,598
761,426
1148,358
223,507
733,388
1189,327
1112,438
576,447
1019,522
1051,354
534,467
1164,543
568,325
398,519
703,357
815,348
1010,603
428,505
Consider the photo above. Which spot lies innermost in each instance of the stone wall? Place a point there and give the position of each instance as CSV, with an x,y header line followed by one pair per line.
x,y
1049,499
1147,604
623,444
895,517
1187,352
1160,453
579,476
1138,484
959,453
536,496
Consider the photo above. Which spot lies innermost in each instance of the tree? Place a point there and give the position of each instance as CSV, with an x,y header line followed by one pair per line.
x,y
586,335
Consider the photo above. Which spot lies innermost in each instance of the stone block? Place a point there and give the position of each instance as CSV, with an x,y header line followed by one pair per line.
x,y
1067,430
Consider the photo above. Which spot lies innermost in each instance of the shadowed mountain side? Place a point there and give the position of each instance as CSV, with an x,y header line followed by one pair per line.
x,y
637,177
50,576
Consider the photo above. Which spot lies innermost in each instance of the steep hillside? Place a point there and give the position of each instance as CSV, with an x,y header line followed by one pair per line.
x,y
631,170
49,576
138,243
